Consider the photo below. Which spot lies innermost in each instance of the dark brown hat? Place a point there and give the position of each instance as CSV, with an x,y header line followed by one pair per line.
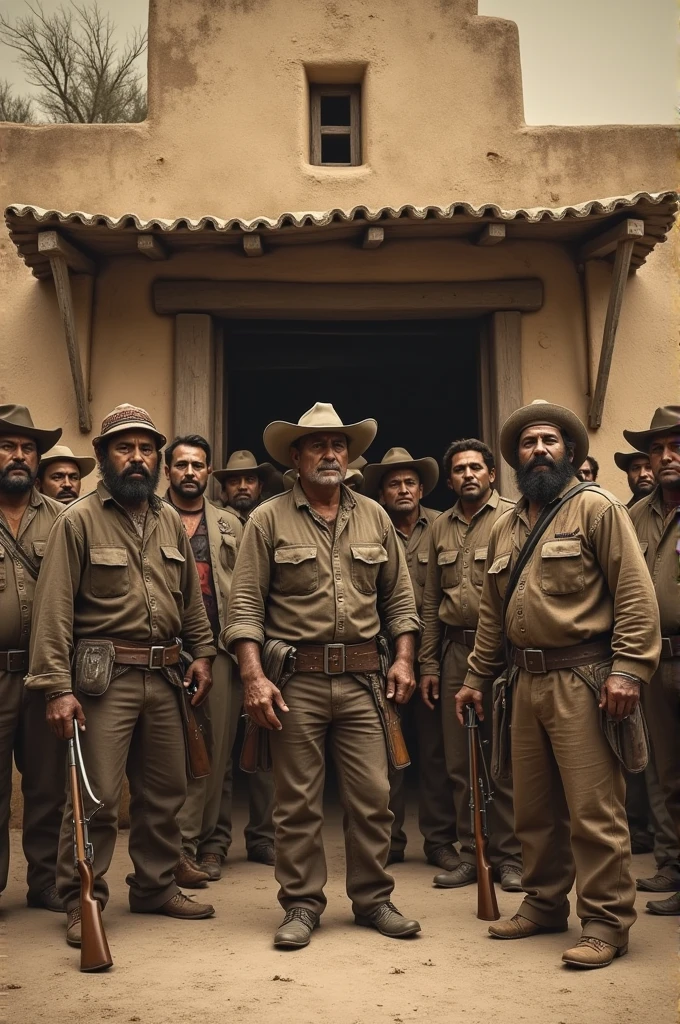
x,y
624,459
666,420
16,419
540,411
398,458
244,461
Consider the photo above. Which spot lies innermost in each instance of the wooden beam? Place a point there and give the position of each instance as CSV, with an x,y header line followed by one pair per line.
x,y
624,251
491,235
346,301
151,247
62,284
252,245
505,357
373,238
605,243
194,395
50,243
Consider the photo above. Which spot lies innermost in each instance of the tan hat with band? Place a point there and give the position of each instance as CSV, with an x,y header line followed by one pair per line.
x,y
244,461
16,419
60,453
537,413
128,417
321,418
398,458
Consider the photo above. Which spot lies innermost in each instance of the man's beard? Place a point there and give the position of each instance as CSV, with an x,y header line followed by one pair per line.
x,y
544,487
641,490
17,484
189,492
322,478
123,488
243,503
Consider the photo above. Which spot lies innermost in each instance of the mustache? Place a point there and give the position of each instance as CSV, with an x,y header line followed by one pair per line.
x,y
332,464
136,467
14,464
540,460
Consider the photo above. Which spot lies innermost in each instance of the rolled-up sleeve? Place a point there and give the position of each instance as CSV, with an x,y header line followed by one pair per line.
x,y
249,589
430,645
396,600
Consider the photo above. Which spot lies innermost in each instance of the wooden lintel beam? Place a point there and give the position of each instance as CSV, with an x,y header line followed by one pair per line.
x,y
624,251
51,243
373,238
151,247
608,241
62,284
491,235
252,245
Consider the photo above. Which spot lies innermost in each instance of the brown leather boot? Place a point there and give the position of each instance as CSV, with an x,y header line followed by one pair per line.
x,y
590,952
211,865
189,875
389,921
47,899
519,927
668,907
463,874
444,857
184,908
73,927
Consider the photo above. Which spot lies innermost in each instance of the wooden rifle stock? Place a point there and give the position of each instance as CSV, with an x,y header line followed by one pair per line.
x,y
94,949
487,906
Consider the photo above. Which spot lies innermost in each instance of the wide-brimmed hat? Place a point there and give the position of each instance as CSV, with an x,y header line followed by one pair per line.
x,y
16,419
244,461
624,459
398,458
322,417
541,411
128,417
352,476
665,420
60,453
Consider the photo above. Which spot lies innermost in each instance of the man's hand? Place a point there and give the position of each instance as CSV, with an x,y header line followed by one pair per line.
x,y
401,681
60,714
619,696
466,695
259,697
429,690
199,674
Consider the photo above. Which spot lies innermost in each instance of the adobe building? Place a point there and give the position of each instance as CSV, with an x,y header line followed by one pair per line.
x,y
337,201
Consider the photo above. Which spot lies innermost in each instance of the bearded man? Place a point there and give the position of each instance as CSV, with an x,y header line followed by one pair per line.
x,y
581,618
119,587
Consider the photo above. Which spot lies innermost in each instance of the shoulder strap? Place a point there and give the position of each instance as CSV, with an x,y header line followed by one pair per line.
x,y
18,551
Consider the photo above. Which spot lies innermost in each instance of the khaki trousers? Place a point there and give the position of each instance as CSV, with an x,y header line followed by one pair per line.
x,y
436,814
662,709
569,808
646,811
135,729
339,709
504,846
41,759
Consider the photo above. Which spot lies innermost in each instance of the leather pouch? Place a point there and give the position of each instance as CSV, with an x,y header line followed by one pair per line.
x,y
501,755
278,664
93,666
629,738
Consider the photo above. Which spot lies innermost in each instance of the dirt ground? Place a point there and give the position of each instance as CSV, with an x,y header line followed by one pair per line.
x,y
225,971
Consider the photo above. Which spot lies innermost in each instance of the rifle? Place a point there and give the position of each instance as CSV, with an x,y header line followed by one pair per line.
x,y
94,949
481,794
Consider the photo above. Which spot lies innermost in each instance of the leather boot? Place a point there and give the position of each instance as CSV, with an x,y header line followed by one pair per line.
x,y
47,899
190,875
518,927
73,927
211,864
464,874
388,921
590,952
669,907
184,908
665,880
444,857
511,878
263,853
296,929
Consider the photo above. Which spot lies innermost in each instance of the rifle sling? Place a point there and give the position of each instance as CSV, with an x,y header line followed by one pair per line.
x,y
17,551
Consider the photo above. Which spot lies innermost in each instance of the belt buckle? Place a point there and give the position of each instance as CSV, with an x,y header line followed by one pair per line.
x,y
19,655
666,647
327,648
469,637
156,656
534,660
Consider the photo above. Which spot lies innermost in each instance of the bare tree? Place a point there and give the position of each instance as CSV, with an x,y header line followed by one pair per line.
x,y
14,108
74,60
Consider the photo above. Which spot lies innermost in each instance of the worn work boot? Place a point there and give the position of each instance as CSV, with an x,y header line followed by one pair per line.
x,y
444,857
590,952
263,853
395,857
511,878
211,865
388,921
464,874
184,908
669,907
73,927
190,875
296,929
47,899
519,927
665,880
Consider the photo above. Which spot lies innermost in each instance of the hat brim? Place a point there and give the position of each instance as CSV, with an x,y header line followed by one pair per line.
x,y
122,428
641,439
624,459
267,473
85,463
546,412
44,439
426,468
280,435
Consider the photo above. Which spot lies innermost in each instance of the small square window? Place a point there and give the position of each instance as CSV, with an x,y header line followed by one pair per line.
x,y
335,118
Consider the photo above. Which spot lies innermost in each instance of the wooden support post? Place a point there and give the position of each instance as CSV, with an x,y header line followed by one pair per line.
x,y
373,238
252,245
50,243
151,247
624,252
605,243
491,235
194,392
62,284
506,383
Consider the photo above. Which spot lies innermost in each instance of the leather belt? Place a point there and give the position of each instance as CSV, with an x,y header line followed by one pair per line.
x,y
670,647
334,659
147,655
466,637
533,659
14,661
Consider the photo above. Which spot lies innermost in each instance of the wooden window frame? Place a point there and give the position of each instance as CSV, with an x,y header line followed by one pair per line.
x,y
317,130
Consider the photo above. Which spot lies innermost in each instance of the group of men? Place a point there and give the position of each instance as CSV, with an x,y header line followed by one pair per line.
x,y
336,605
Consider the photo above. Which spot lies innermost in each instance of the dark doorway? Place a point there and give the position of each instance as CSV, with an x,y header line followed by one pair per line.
x,y
417,378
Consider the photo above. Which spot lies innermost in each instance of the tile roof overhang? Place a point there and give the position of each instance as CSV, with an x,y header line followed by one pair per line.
x,y
101,236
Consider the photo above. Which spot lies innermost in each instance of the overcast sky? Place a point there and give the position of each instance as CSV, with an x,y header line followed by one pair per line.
x,y
583,61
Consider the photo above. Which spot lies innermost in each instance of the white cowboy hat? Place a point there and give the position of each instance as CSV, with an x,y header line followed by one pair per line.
x,y
321,418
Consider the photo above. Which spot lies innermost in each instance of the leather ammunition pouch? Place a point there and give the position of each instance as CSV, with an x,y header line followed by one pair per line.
x,y
93,666
628,738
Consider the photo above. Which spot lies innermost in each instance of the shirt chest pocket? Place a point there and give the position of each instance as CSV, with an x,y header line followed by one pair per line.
x,y
297,571
173,561
109,575
478,567
421,568
366,562
228,551
500,571
562,567
449,565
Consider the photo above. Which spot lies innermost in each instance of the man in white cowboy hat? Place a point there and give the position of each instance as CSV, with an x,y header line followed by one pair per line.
x,y
321,569
639,472
245,481
656,522
26,518
455,574
119,587
400,482
60,473
581,620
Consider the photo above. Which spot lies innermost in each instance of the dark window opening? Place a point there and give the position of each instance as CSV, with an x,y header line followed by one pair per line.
x,y
335,121
336,149
336,110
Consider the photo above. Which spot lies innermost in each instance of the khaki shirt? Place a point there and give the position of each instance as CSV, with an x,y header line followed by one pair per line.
x,y
658,536
416,549
101,579
17,586
455,574
587,577
301,580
